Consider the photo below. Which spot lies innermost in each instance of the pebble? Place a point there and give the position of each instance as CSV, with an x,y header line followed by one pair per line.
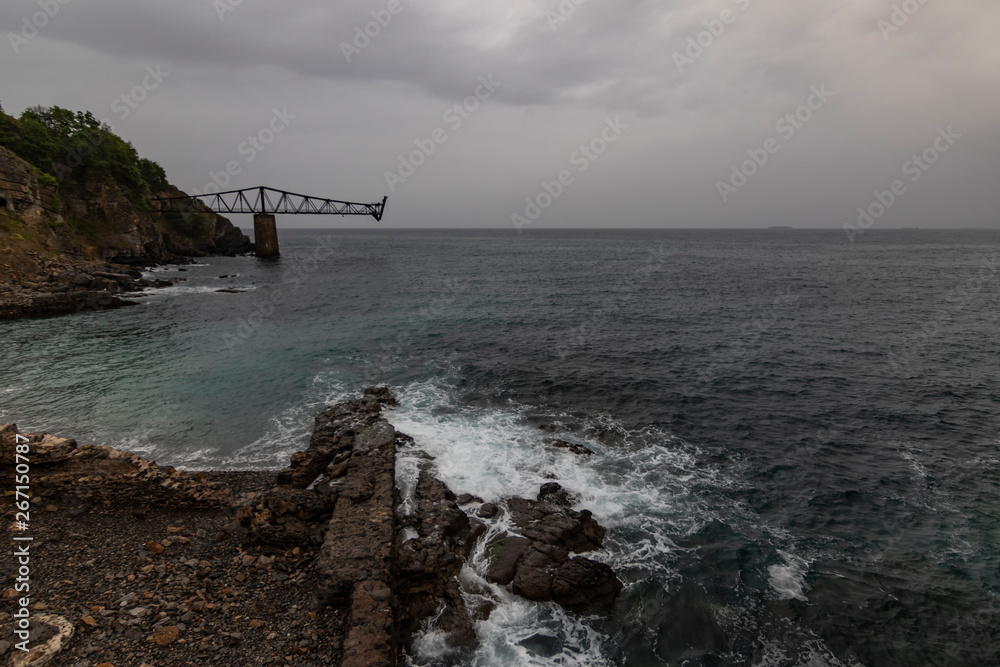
x,y
166,635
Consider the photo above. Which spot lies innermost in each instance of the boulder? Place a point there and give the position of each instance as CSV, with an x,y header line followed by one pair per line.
x,y
537,563
552,492
544,522
505,553
382,394
487,511
287,517
536,571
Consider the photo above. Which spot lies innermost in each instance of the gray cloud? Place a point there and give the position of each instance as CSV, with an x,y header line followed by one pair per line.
x,y
687,129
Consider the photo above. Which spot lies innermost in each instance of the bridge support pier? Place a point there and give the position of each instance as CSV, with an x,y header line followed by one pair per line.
x,y
265,233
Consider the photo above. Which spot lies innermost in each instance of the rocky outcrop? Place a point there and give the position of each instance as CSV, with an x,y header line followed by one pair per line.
x,y
537,564
68,247
60,469
93,217
60,287
340,493
298,509
22,191
191,229
357,560
434,543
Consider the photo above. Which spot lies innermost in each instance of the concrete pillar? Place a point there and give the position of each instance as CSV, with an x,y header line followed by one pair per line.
x,y
265,235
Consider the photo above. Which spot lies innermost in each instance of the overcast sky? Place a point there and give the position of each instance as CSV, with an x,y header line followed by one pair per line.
x,y
681,115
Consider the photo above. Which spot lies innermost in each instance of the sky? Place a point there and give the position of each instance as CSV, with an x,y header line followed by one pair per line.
x,y
550,114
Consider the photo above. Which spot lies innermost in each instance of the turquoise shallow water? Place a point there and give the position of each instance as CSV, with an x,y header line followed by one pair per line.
x,y
797,437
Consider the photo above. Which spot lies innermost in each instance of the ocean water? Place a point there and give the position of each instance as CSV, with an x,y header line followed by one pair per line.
x,y
797,438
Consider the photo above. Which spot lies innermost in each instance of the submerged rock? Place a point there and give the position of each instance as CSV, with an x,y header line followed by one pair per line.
x,y
571,446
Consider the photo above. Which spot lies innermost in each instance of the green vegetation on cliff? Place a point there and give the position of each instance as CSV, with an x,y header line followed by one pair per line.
x,y
83,190
63,144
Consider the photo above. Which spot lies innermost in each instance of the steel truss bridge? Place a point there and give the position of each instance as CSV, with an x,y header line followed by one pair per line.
x,y
264,203
264,200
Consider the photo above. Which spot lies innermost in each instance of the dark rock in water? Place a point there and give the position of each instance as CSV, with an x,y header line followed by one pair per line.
x,y
536,570
537,562
553,492
487,511
382,395
544,646
582,583
44,304
483,609
341,492
550,524
333,438
571,446
428,565
505,554
230,290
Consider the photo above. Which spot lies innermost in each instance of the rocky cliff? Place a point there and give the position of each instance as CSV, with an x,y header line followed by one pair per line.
x,y
93,218
86,224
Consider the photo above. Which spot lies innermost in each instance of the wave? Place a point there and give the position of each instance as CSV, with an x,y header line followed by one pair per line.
x,y
182,289
644,484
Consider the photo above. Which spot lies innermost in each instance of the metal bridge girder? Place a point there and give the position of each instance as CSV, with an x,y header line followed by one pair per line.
x,y
288,203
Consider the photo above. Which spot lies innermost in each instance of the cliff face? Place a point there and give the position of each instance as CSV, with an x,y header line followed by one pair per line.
x,y
93,219
73,246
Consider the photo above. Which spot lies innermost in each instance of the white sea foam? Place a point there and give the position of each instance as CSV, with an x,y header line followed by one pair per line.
x,y
168,268
789,580
495,454
182,289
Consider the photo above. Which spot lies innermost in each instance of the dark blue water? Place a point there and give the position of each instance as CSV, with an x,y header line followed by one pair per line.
x,y
797,437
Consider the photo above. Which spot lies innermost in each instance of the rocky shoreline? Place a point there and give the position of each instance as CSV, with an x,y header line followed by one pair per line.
x,y
321,563
78,244
61,287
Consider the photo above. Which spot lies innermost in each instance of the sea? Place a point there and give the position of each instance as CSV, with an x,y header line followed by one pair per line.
x,y
796,435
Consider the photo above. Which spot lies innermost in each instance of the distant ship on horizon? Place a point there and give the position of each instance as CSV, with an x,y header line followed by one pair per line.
x,y
781,227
